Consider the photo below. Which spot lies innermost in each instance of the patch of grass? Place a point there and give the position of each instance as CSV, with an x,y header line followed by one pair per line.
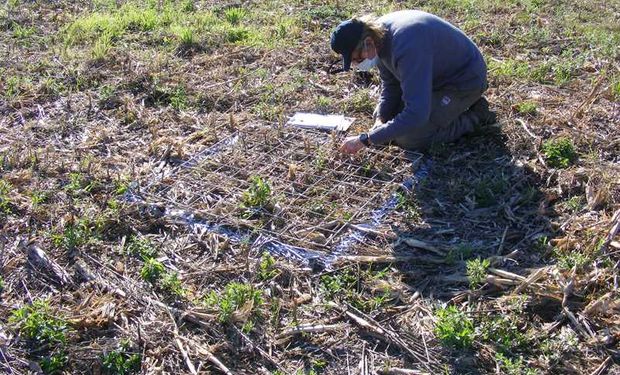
x,y
5,202
405,202
454,328
36,198
54,363
22,32
171,284
178,98
234,15
477,271
526,108
503,332
38,323
487,190
575,203
78,184
338,284
567,259
152,270
235,296
73,235
361,102
559,153
102,47
140,246
237,34
615,88
122,360
460,253
1,284
267,269
514,366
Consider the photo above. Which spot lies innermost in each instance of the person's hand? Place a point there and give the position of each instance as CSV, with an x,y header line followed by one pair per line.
x,y
351,145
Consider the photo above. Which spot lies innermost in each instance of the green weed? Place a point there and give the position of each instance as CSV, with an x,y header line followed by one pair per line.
x,y
339,284
37,198
171,284
267,269
21,32
78,184
575,203
559,153
38,323
460,253
74,235
186,37
121,361
510,366
54,363
361,101
487,189
235,296
615,89
526,108
188,6
454,328
102,47
567,260
1,284
234,15
140,246
477,271
178,98
503,332
405,202
237,34
258,195
152,270
5,202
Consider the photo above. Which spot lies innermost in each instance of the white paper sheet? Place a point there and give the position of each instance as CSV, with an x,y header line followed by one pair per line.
x,y
316,121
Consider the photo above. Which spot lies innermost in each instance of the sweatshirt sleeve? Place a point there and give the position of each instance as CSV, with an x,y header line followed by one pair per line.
x,y
390,97
415,67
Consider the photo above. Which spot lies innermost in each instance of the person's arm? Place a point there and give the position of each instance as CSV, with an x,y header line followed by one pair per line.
x,y
415,67
390,97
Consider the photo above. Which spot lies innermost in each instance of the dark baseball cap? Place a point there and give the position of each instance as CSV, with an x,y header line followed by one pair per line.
x,y
345,38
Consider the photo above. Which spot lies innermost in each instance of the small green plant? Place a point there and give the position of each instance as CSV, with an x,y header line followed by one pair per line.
x,y
575,203
477,271
140,246
338,284
171,283
235,296
121,361
152,270
77,184
38,197
454,328
1,284
5,202
567,260
559,153
237,34
54,363
526,108
22,32
460,253
186,37
267,270
503,332
73,235
234,15
102,47
178,98
189,6
38,323
405,202
258,195
361,101
615,89
514,366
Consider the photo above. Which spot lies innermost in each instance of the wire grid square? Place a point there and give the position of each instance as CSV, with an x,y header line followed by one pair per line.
x,y
316,192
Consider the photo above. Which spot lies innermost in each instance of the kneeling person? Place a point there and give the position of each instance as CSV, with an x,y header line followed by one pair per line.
x,y
432,78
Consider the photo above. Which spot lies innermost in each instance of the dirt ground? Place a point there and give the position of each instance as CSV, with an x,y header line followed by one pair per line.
x,y
157,215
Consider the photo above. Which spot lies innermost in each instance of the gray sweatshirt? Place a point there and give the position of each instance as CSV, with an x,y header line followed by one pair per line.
x,y
421,53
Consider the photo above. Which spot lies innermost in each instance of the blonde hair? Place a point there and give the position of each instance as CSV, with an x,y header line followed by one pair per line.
x,y
372,28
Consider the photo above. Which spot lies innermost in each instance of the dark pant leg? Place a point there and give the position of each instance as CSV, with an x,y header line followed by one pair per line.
x,y
449,120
